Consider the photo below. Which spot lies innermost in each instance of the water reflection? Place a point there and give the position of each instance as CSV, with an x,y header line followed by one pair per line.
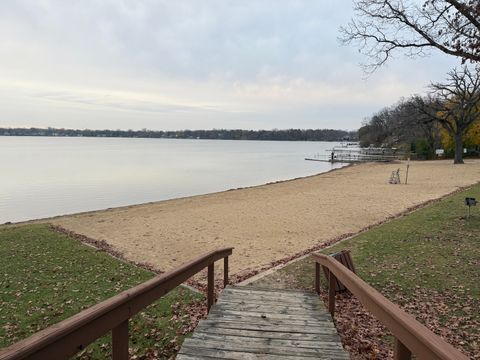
x,y
44,177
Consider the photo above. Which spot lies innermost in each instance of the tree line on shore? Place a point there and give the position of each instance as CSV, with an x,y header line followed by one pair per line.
x,y
448,117
214,134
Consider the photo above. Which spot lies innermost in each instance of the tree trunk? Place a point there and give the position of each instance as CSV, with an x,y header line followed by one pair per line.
x,y
431,147
458,149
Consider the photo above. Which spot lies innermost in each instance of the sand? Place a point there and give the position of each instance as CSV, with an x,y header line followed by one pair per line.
x,y
269,222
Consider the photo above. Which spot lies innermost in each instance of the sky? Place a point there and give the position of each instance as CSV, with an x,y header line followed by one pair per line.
x,y
189,64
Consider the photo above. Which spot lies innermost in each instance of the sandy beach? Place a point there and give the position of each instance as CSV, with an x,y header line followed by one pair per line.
x,y
269,222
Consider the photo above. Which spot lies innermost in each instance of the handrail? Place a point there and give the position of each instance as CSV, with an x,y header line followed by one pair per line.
x,y
410,335
62,340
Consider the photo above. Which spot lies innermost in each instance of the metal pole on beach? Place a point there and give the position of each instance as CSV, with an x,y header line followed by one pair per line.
x,y
406,176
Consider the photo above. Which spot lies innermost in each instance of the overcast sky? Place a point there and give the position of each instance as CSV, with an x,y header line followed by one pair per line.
x,y
182,64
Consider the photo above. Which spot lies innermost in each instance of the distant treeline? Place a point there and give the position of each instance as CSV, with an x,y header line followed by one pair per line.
x,y
223,134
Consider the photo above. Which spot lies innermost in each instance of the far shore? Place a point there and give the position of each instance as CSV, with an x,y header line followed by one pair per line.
x,y
270,222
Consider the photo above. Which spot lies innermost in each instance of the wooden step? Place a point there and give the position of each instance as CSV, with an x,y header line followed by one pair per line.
x,y
257,323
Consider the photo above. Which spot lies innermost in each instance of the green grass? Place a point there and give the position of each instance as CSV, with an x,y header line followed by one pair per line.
x,y
435,248
428,258
46,277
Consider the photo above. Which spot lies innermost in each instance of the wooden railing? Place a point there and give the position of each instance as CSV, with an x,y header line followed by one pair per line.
x,y
410,335
71,335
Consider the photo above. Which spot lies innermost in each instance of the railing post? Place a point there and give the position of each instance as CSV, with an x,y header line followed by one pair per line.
x,y
331,292
225,271
210,286
120,341
401,352
317,277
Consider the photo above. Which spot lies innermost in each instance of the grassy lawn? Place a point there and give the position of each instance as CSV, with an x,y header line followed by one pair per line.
x,y
427,261
46,277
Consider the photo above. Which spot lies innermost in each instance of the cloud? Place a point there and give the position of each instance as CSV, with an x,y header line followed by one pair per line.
x,y
165,64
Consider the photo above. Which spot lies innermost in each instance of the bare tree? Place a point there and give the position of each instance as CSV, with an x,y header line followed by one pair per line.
x,y
382,27
415,116
406,123
456,105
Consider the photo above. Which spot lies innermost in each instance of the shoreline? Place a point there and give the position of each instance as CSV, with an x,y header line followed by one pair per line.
x,y
243,279
269,224
55,217
280,264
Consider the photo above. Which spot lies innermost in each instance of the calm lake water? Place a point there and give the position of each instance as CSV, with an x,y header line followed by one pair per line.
x,y
46,176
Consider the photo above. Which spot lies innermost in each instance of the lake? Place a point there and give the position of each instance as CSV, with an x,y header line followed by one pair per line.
x,y
49,176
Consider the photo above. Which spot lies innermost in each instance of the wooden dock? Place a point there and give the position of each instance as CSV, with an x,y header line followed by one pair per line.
x,y
254,323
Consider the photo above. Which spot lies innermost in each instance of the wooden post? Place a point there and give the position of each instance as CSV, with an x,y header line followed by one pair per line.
x,y
225,271
210,286
401,352
331,293
120,341
317,277
406,177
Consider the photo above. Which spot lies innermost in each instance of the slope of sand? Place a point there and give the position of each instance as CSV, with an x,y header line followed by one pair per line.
x,y
269,222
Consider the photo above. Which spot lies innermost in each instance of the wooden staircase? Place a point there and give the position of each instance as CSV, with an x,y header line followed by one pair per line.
x,y
254,323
